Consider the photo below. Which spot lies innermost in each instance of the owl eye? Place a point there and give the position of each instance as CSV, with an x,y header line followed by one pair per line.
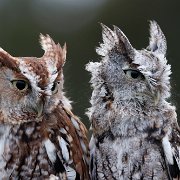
x,y
133,74
21,85
54,88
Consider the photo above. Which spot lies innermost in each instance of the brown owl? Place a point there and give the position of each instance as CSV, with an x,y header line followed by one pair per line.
x,y
40,138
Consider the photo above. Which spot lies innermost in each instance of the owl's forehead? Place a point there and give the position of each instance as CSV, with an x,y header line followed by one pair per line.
x,y
147,61
37,71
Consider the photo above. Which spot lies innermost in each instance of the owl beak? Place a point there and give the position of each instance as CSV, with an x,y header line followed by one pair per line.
x,y
157,97
154,94
39,109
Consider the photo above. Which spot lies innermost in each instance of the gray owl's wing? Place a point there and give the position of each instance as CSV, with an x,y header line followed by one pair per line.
x,y
171,146
93,167
175,144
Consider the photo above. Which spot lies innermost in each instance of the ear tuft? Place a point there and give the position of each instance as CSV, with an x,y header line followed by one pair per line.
x,y
109,41
9,61
124,46
46,42
53,52
115,39
157,40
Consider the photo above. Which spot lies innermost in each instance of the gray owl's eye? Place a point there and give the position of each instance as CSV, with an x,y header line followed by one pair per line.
x,y
21,85
133,74
54,88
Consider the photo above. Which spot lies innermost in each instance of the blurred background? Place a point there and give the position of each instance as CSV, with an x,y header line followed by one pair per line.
x,y
76,22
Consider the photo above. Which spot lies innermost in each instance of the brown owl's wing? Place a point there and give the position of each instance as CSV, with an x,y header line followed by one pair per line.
x,y
71,152
171,146
67,145
81,146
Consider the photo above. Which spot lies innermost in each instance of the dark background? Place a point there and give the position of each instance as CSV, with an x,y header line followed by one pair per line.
x,y
76,22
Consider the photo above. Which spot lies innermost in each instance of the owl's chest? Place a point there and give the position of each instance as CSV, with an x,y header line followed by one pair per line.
x,y
130,158
22,154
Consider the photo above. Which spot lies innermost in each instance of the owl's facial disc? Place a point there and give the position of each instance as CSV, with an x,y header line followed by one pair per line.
x,y
153,94
152,90
23,87
43,97
135,76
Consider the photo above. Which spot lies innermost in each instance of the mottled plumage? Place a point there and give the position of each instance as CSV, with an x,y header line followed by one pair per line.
x,y
40,138
135,130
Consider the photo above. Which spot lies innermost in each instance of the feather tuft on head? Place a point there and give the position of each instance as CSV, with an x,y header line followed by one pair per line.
x,y
53,51
157,40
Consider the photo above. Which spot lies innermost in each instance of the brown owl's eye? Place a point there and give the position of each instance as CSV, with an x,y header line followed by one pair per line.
x,y
20,84
133,74
54,88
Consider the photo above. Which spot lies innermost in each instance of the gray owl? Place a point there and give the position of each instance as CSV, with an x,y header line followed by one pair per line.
x,y
40,138
135,130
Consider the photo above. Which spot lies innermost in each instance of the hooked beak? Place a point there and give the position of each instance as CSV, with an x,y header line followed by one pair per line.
x,y
154,94
39,109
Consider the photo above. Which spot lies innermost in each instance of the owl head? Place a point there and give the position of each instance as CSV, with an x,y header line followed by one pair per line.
x,y
30,86
127,74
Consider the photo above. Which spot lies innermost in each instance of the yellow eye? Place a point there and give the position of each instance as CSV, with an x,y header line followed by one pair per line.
x,y
21,85
54,88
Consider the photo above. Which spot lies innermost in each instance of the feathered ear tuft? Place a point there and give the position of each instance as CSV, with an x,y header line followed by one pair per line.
x,y
53,52
157,40
124,46
9,61
109,41
114,40
47,43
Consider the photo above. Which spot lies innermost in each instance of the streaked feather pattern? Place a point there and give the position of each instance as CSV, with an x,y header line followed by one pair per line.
x,y
135,130
40,138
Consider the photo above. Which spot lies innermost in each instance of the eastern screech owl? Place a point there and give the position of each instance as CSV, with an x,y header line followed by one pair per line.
x,y
135,130
40,138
